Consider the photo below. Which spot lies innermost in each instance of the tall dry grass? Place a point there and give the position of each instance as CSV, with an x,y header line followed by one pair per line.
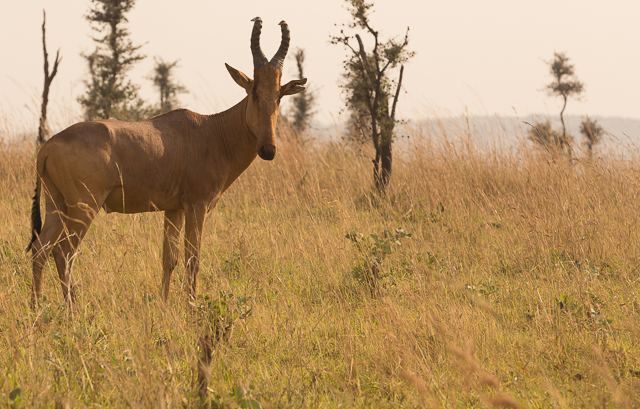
x,y
517,288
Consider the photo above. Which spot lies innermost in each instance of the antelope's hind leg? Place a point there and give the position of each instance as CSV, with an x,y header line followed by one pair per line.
x,y
173,220
194,223
51,230
63,255
76,223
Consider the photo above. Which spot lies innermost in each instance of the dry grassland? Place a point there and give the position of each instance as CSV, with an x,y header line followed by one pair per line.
x,y
518,288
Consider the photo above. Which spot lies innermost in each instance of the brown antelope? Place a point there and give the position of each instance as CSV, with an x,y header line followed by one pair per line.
x,y
180,163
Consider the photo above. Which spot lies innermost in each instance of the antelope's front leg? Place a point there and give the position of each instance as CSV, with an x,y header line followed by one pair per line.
x,y
194,222
173,220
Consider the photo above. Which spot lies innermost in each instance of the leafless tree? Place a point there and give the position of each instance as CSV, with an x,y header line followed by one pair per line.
x,y
43,128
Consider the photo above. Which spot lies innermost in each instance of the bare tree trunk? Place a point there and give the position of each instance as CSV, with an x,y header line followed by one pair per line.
x,y
385,167
43,129
382,163
375,136
395,99
384,147
564,128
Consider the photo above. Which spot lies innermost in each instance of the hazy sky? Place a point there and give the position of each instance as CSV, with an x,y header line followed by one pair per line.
x,y
483,56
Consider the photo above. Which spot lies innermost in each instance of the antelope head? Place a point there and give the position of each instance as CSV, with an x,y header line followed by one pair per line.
x,y
264,91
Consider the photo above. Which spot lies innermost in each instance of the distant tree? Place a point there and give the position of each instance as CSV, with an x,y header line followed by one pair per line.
x,y
109,93
303,103
369,84
164,81
43,128
543,135
565,84
592,132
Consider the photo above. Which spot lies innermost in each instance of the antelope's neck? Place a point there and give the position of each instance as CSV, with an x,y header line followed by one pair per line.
x,y
237,143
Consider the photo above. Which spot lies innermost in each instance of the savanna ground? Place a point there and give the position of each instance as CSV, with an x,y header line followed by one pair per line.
x,y
518,287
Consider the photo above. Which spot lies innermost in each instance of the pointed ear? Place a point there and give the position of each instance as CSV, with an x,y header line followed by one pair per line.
x,y
293,87
240,79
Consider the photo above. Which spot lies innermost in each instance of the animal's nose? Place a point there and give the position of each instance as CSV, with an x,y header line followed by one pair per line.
x,y
267,152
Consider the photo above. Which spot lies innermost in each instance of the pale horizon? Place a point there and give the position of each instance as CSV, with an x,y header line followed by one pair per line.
x,y
477,59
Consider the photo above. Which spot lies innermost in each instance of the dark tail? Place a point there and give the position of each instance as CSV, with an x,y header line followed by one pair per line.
x,y
36,219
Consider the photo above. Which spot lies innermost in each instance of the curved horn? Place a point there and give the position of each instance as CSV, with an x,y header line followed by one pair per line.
x,y
259,59
278,59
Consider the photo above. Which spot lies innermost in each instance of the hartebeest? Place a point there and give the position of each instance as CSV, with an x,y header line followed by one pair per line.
x,y
180,163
